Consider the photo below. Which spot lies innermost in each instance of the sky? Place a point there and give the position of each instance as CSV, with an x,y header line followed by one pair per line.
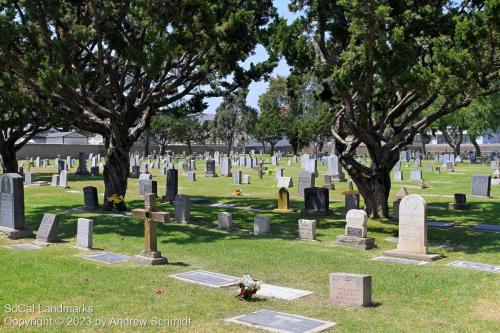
x,y
257,88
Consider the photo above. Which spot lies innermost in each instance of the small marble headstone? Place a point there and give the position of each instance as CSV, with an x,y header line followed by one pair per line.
x,y
225,221
261,225
84,234
351,289
182,206
48,230
307,229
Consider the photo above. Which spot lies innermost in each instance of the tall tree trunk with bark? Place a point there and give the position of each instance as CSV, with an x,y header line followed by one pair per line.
x,y
116,169
146,141
190,150
9,159
476,146
271,153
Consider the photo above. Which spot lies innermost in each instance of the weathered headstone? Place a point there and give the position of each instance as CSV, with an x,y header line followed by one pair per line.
x,y
245,179
306,180
48,230
356,231
84,234
459,203
82,166
285,182
237,177
317,201
225,220
55,180
307,229
90,198
210,169
12,222
261,225
412,240
416,175
150,255
327,182
395,204
191,176
481,185
147,186
283,200
182,206
351,289
172,185
63,179
225,167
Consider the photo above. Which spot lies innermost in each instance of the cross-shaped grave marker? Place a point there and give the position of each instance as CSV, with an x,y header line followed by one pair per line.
x,y
150,255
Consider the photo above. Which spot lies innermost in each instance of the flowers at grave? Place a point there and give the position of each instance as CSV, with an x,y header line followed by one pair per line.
x,y
237,191
248,287
115,200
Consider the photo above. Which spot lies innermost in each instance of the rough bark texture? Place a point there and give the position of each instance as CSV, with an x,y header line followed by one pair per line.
x,y
116,171
9,160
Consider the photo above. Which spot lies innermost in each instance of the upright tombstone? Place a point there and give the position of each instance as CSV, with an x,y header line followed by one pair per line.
x,y
306,179
191,176
82,165
395,204
327,182
61,165
48,230
279,172
210,169
225,221
351,198
90,198
94,171
317,201
356,231
245,179
172,185
283,201
351,289
335,169
225,167
63,179
12,223
136,172
237,177
148,186
307,229
286,182
459,202
261,225
55,180
150,255
416,175
412,240
29,178
182,206
481,186
84,234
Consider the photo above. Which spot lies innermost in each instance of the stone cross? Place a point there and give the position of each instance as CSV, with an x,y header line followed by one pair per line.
x,y
150,254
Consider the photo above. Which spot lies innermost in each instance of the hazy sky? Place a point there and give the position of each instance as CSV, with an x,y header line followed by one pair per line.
x,y
257,88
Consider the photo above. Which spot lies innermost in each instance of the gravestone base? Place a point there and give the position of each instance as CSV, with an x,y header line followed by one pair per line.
x,y
413,256
283,210
39,183
83,248
40,243
458,206
91,207
151,258
337,179
317,212
16,233
365,243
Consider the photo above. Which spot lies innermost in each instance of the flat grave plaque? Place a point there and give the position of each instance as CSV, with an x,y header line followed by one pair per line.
x,y
487,227
290,294
273,321
222,205
400,261
107,257
440,225
26,247
475,266
209,279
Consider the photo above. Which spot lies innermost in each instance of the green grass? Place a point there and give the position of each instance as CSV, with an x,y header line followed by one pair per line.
x,y
429,298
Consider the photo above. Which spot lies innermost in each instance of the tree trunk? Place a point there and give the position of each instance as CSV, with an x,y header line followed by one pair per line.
x,y
294,142
424,148
190,150
375,189
146,142
116,172
476,146
9,160
229,147
163,148
271,153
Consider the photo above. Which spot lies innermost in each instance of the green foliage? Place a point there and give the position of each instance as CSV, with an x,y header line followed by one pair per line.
x,y
234,118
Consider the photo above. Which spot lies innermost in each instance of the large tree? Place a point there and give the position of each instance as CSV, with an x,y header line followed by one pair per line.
x,y
115,63
382,64
23,114
233,118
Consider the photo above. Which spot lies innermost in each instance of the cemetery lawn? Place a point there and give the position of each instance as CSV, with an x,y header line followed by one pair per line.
x,y
407,298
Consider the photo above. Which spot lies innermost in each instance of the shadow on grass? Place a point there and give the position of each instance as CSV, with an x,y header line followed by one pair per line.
x,y
202,228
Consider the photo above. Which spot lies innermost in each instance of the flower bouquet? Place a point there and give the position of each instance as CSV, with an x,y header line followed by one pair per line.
x,y
115,201
237,192
248,287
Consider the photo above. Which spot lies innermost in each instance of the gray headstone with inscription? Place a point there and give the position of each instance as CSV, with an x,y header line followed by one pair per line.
x,y
48,230
12,205
481,185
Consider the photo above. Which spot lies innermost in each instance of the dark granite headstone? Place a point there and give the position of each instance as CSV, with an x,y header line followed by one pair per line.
x,y
90,198
172,185
316,200
210,169
11,201
82,166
